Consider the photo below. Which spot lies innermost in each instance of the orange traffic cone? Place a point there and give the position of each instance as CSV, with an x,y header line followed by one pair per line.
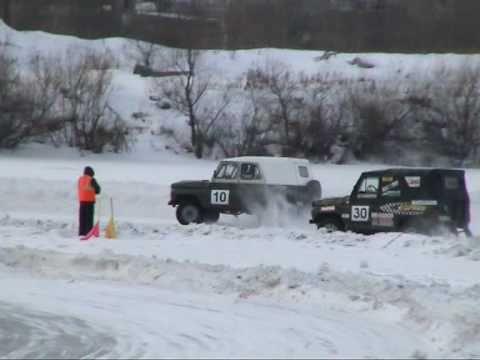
x,y
111,231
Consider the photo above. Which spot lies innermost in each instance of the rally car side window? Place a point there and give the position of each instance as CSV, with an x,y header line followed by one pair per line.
x,y
390,186
227,171
451,183
368,187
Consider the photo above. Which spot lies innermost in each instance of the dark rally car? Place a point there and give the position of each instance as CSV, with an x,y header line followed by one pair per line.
x,y
401,199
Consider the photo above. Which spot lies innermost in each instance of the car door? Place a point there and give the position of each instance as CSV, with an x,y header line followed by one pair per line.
x,y
364,202
223,193
385,214
251,186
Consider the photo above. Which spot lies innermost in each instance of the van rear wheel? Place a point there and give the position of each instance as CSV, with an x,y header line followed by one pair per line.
x,y
314,190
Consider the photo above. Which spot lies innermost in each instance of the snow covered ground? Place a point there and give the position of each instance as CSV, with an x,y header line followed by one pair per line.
x,y
238,288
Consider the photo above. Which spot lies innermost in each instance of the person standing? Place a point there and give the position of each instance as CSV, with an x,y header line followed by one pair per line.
x,y
88,188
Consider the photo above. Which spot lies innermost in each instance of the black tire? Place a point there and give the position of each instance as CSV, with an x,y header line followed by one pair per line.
x,y
188,213
448,229
314,190
427,226
331,224
414,226
211,216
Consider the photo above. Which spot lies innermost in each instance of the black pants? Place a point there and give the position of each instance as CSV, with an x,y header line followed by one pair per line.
x,y
86,213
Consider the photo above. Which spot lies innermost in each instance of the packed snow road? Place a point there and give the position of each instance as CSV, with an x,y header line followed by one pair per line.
x,y
238,288
28,333
73,319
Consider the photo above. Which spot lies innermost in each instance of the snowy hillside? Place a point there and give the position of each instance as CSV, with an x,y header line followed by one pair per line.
x,y
238,288
132,95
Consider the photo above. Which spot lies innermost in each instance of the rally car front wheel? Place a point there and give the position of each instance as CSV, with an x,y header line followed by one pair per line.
x,y
188,213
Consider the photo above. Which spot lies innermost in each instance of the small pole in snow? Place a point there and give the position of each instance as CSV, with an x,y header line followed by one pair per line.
x,y
391,241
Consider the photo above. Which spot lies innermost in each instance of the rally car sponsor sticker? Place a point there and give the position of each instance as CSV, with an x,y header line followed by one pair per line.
x,y
327,208
413,181
425,202
382,219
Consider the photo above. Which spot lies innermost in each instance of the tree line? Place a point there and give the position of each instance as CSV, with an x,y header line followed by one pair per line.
x,y
269,110
273,110
341,25
61,100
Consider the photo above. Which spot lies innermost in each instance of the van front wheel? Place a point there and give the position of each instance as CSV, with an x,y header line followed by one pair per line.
x,y
188,213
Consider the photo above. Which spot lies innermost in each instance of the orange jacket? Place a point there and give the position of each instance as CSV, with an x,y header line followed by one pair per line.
x,y
86,192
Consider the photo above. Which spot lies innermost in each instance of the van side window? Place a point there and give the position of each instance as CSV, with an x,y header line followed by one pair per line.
x,y
250,172
303,171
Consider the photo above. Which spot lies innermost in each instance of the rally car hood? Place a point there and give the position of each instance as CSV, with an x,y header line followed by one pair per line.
x,y
195,184
334,201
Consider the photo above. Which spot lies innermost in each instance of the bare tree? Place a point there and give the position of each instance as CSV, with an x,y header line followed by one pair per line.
x,y
379,115
13,105
145,54
284,88
250,129
45,84
449,107
325,126
90,123
193,95
321,117
23,103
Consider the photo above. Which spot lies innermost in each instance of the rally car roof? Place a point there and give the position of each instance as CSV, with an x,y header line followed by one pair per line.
x,y
414,171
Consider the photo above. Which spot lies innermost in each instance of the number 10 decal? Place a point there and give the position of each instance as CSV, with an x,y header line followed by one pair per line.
x,y
220,197
360,213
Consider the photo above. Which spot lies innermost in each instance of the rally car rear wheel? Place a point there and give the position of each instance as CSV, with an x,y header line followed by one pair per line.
x,y
330,224
188,213
211,216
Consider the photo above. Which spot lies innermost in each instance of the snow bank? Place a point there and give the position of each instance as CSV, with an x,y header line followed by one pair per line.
x,y
448,316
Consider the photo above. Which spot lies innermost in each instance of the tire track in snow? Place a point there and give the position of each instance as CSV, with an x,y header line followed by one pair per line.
x,y
147,322
27,333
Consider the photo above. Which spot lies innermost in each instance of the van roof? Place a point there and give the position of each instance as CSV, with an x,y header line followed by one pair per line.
x,y
277,170
267,159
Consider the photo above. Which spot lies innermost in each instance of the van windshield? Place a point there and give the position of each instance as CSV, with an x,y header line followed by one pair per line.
x,y
226,170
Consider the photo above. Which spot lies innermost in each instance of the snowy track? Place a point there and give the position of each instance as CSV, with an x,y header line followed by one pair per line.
x,y
238,288
81,319
28,333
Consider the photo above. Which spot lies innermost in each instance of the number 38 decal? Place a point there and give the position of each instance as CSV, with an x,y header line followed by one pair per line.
x,y
220,197
360,213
